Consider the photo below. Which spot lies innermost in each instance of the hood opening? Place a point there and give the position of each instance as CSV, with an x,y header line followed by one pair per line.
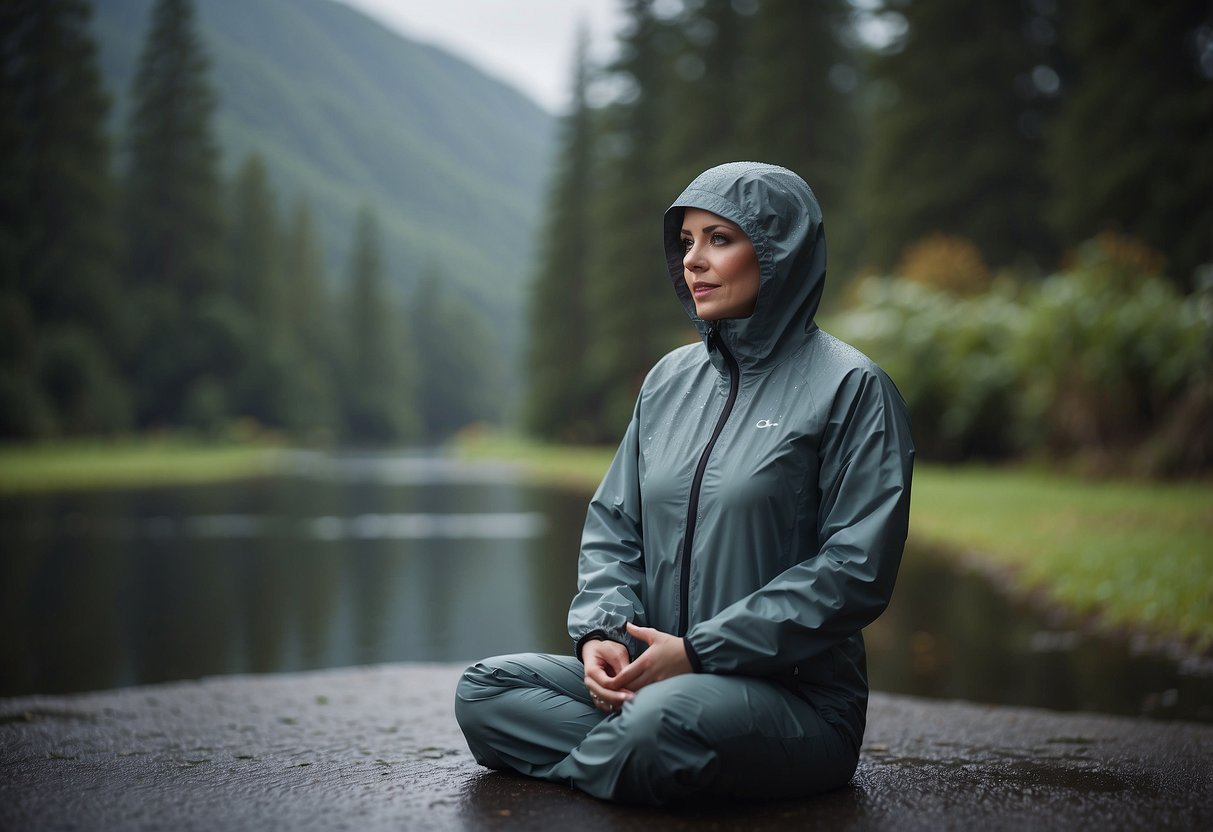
x,y
779,213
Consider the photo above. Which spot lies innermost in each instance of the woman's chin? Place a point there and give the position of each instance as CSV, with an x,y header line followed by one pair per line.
x,y
710,313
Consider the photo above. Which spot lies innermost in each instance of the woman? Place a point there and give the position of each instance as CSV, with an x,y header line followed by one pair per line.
x,y
750,525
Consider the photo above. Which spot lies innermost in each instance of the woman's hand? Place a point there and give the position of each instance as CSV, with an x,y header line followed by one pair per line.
x,y
666,657
603,660
612,680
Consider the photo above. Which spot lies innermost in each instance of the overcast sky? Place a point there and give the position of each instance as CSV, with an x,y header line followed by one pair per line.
x,y
528,43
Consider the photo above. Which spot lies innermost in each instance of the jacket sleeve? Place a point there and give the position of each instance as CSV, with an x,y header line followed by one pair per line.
x,y
865,465
610,570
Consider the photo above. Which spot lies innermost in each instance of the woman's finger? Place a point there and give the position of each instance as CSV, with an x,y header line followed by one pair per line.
x,y
645,634
603,661
632,676
607,701
665,657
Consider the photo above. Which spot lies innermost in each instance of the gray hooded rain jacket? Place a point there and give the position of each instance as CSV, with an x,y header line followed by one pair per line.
x,y
758,506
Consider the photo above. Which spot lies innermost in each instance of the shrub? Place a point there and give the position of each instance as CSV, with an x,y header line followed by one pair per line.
x,y
24,411
1116,258
79,382
948,357
1104,360
951,264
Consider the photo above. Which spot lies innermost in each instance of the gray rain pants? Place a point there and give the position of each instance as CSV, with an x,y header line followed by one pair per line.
x,y
695,734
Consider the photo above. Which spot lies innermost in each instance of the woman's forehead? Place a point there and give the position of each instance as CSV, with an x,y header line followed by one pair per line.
x,y
699,218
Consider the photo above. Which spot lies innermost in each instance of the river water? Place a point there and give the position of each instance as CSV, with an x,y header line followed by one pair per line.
x,y
380,558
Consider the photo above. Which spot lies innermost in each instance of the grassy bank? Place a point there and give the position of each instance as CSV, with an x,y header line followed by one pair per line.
x,y
1135,554
97,464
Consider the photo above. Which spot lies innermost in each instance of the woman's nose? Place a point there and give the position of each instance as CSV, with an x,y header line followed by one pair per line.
x,y
692,259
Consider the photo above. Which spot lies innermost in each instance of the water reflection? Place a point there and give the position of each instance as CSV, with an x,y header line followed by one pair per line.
x,y
363,559
345,562
950,633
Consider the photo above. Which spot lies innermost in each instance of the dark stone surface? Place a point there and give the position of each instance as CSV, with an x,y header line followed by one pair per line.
x,y
378,748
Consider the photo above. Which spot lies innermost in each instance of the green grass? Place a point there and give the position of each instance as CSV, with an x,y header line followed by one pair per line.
x,y
98,464
1136,555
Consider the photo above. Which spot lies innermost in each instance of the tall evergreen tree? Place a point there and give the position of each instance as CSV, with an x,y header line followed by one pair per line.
x,y
798,112
558,403
458,375
635,316
949,150
14,138
59,242
174,226
267,387
255,278
706,75
311,326
1132,148
379,382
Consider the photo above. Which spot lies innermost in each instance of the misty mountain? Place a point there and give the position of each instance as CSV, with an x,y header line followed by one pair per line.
x,y
345,112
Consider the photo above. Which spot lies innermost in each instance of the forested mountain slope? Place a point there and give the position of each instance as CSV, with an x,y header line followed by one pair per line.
x,y
346,112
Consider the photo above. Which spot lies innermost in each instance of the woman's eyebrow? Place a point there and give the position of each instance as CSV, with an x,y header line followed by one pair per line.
x,y
714,226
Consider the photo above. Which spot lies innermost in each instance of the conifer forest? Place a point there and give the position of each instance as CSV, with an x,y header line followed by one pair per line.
x,y
1018,198
143,290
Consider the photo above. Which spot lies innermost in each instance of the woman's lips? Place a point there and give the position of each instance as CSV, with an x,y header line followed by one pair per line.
x,y
700,289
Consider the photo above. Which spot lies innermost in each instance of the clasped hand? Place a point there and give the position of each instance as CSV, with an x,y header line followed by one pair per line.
x,y
612,680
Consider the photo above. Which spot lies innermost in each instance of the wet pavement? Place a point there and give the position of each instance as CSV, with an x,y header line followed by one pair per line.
x,y
378,748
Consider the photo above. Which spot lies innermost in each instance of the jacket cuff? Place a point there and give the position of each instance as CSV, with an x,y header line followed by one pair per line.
x,y
592,635
692,656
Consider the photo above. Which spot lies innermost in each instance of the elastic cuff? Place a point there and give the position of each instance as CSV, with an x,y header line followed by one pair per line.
x,y
692,656
592,635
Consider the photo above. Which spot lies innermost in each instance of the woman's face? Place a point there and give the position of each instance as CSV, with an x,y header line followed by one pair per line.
x,y
719,265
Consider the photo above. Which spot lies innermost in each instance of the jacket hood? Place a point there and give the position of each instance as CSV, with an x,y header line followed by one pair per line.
x,y
778,212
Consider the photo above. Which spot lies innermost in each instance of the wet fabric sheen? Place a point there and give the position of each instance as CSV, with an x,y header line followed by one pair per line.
x,y
757,506
724,736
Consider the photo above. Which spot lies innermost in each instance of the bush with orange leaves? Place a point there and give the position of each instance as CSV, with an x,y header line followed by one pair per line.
x,y
943,261
1105,363
1117,259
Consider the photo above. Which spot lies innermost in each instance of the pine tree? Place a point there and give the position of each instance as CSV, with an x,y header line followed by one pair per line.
x,y
59,242
267,386
797,109
308,297
311,327
379,377
174,221
558,405
459,371
950,149
255,250
706,74
636,317
1132,148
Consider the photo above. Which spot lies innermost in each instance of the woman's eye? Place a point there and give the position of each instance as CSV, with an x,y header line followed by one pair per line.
x,y
719,239
686,243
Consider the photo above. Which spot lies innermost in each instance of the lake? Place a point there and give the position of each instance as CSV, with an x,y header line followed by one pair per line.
x,y
359,559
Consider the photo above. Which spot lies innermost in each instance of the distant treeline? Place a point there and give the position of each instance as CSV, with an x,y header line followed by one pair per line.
x,y
144,292
1016,130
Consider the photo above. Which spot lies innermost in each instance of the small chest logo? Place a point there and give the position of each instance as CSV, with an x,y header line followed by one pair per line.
x,y
766,423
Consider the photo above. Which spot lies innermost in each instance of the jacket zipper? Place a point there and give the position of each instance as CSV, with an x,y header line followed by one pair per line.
x,y
684,585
